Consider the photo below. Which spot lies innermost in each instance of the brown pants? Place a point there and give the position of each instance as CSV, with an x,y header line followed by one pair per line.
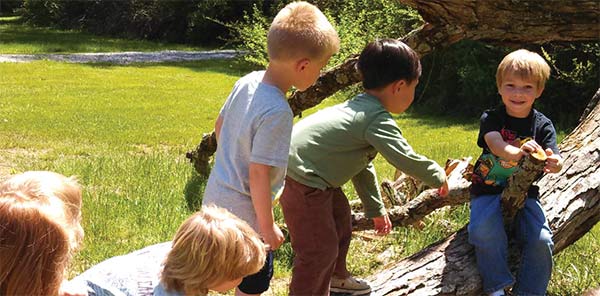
x,y
320,228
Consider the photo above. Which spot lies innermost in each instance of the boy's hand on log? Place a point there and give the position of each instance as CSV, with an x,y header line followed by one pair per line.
x,y
444,189
383,225
554,162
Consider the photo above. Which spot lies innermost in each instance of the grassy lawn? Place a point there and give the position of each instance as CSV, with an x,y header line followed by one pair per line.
x,y
124,130
15,38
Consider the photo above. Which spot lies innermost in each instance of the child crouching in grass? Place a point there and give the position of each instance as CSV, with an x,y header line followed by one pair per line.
x,y
212,250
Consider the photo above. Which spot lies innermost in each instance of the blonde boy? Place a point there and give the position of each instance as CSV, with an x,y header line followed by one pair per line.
x,y
255,123
506,134
212,250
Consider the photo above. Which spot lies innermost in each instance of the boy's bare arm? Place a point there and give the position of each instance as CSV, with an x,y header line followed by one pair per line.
x,y
218,125
260,190
509,152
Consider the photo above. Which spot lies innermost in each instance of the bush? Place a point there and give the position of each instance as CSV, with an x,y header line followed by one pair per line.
x,y
357,22
9,7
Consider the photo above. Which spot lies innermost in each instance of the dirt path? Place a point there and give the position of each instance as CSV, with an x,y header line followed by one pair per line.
x,y
123,57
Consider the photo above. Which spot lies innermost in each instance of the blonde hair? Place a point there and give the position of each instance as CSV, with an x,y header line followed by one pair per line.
x,y
301,30
39,230
210,247
525,64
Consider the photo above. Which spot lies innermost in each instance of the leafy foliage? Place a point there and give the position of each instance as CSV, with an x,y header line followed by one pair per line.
x,y
357,22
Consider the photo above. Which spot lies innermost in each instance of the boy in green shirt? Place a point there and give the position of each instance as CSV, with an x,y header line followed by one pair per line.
x,y
338,144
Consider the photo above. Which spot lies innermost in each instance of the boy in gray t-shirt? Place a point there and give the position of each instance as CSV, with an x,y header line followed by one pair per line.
x,y
254,126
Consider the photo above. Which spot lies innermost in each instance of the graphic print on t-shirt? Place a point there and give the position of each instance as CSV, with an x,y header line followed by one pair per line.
x,y
494,171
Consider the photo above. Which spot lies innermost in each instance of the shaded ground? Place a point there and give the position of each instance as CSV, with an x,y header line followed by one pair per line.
x,y
123,57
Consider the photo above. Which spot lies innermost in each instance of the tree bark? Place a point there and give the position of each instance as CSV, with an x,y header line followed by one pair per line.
x,y
515,193
571,200
506,22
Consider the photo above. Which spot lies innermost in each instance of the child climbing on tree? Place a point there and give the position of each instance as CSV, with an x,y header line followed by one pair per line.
x,y
338,144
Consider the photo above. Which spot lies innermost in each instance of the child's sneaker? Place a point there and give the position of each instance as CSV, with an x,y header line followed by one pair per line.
x,y
350,286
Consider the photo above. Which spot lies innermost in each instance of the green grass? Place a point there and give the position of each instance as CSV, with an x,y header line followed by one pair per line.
x,y
123,131
15,38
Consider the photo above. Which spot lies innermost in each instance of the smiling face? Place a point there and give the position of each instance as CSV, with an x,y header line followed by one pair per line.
x,y
518,94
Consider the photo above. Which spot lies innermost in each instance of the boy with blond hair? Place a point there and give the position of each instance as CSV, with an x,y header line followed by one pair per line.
x,y
506,135
254,126
212,250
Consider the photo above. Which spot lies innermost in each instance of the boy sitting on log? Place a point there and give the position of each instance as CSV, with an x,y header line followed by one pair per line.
x,y
506,134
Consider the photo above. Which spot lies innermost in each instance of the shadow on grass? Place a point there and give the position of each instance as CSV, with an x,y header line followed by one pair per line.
x,y
194,190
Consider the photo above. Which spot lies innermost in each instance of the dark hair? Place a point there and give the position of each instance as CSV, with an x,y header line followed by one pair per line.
x,y
384,61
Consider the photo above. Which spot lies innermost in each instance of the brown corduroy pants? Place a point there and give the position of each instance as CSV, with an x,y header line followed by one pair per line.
x,y
320,229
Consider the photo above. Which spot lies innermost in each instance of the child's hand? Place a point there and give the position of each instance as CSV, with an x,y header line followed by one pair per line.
x,y
554,162
383,225
444,189
528,148
273,237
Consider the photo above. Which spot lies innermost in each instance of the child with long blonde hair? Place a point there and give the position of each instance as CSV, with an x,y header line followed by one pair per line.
x,y
40,214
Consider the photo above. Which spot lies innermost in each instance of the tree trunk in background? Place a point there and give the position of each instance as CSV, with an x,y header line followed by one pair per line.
x,y
506,22
571,200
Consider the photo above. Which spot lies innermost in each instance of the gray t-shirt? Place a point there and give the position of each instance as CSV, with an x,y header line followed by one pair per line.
x,y
257,126
133,274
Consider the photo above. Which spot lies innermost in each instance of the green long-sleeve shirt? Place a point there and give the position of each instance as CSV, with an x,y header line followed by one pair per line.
x,y
337,144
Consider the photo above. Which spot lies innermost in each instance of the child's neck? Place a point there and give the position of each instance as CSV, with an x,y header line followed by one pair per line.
x,y
278,77
514,114
382,96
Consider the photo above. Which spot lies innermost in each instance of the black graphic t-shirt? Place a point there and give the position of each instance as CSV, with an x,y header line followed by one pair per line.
x,y
491,172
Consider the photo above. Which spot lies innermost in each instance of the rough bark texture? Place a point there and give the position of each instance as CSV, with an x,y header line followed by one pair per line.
x,y
571,200
505,22
513,196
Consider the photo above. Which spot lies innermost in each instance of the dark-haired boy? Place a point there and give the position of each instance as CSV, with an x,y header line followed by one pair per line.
x,y
337,145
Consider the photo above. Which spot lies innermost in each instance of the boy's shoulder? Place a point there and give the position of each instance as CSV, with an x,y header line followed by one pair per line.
x,y
541,119
253,77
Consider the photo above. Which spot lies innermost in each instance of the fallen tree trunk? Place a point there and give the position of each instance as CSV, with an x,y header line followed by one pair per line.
x,y
449,21
571,200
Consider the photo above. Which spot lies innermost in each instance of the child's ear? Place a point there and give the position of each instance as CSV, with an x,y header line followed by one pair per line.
x,y
302,64
399,84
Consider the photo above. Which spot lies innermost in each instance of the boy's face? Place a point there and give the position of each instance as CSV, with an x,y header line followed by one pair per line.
x,y
309,72
518,94
404,95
